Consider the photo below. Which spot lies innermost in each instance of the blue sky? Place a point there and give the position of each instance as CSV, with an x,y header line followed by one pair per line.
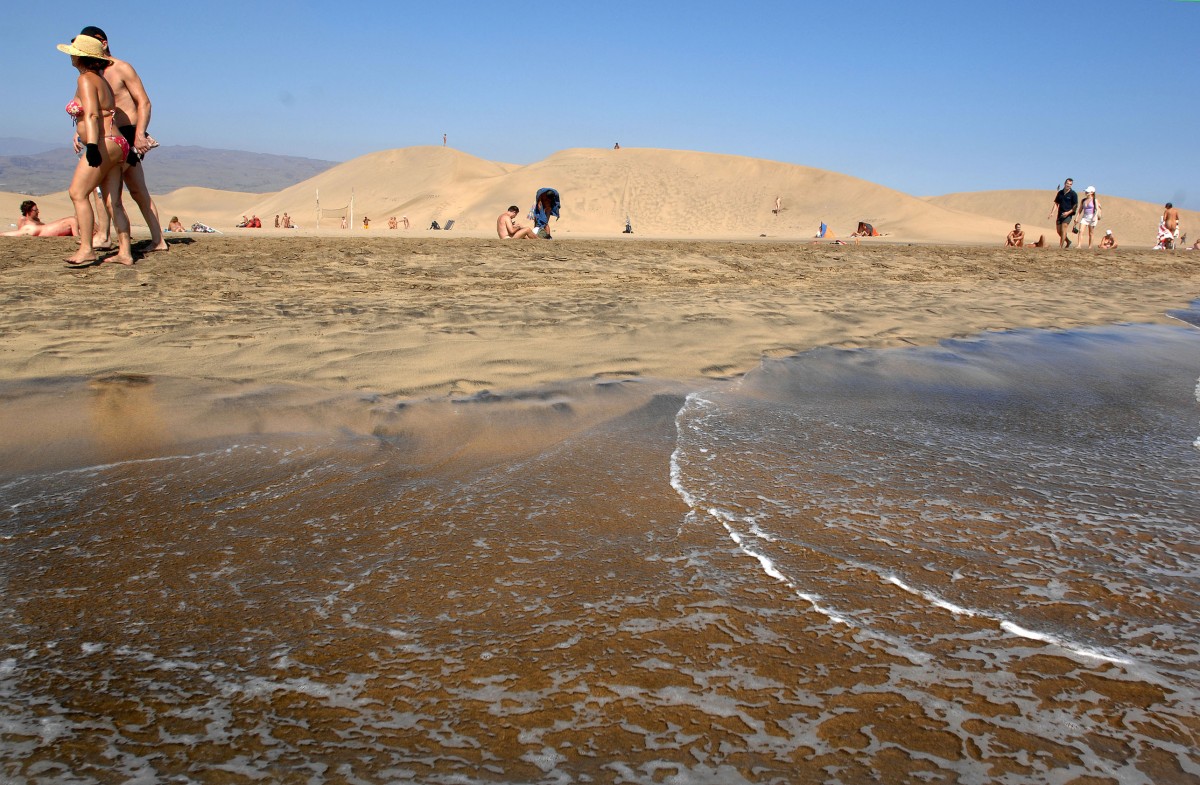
x,y
926,97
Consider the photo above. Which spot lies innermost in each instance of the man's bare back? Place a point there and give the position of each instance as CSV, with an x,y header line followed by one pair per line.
x,y
1171,217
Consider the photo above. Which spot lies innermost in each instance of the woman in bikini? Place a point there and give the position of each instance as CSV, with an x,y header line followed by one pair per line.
x,y
1089,213
105,150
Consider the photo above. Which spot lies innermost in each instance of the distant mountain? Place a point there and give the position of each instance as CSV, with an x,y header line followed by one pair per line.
x,y
171,167
12,145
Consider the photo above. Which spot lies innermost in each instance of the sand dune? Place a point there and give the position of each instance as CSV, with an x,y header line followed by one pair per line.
x,y
664,193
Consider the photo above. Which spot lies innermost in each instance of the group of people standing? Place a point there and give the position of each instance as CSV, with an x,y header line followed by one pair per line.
x,y
111,111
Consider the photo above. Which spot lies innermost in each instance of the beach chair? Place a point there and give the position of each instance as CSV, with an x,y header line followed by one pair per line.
x,y
448,226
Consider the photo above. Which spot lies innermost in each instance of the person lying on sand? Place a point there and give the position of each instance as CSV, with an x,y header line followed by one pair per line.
x,y
31,224
508,228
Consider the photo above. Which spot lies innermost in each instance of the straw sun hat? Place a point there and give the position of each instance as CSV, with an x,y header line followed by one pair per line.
x,y
85,46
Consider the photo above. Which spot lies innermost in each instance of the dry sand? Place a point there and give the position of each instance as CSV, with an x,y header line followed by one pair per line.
x,y
430,318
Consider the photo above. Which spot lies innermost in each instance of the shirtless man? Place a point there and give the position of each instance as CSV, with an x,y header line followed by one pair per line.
x,y
31,224
508,228
1170,219
1108,241
133,117
1016,238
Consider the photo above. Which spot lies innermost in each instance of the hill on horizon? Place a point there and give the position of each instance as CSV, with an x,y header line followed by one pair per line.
x,y
171,167
663,193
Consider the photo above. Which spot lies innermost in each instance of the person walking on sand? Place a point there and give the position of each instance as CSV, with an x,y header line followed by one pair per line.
x,y
1066,203
132,118
1089,212
508,228
94,110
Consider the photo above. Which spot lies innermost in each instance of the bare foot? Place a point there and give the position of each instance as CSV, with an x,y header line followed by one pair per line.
x,y
80,260
160,247
119,259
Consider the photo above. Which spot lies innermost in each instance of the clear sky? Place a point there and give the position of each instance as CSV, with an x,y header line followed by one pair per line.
x,y
925,96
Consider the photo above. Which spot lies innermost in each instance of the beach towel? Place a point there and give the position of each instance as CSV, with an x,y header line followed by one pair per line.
x,y
541,217
1166,237
199,227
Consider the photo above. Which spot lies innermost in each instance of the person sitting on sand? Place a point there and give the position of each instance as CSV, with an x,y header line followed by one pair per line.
x,y
175,225
1016,238
865,230
1109,240
393,223
31,224
508,228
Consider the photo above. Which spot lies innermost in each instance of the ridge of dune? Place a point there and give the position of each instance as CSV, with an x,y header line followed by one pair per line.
x,y
663,193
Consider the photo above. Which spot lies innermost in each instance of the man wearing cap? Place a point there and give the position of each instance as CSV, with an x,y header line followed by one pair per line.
x,y
133,117
1066,202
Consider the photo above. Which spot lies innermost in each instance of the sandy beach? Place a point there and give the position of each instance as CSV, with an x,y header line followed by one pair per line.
x,y
435,509
429,318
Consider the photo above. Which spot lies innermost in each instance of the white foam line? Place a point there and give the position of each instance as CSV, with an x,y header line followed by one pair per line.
x,y
957,610
770,569
1008,626
724,518
132,462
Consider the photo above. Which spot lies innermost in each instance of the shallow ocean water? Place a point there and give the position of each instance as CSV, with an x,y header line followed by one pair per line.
x,y
975,562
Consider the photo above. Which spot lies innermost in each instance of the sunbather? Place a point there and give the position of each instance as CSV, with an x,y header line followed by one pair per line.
x,y
31,224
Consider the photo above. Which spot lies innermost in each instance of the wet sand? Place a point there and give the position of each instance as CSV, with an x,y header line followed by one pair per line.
x,y
434,317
